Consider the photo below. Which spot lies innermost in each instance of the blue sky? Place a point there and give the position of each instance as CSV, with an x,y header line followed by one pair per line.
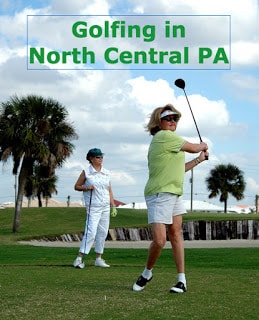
x,y
109,108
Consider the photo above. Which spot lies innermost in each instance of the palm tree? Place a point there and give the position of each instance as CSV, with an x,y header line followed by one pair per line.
x,y
40,184
33,130
225,180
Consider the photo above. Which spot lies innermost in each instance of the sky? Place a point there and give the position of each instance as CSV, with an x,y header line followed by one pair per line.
x,y
109,108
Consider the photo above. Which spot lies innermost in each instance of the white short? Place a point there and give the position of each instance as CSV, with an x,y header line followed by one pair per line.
x,y
162,207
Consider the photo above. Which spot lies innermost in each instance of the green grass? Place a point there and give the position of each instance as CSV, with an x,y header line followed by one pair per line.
x,y
39,222
40,283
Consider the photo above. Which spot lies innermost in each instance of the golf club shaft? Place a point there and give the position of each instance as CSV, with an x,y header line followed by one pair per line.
x,y
192,115
87,222
206,157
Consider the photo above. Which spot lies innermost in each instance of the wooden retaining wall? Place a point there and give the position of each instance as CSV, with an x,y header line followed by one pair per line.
x,y
195,230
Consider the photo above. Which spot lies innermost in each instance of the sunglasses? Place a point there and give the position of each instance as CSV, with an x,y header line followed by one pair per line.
x,y
98,157
170,119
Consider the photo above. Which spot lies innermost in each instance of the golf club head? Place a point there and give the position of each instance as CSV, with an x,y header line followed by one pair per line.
x,y
180,83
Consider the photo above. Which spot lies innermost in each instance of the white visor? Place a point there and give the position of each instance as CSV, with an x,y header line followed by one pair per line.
x,y
167,113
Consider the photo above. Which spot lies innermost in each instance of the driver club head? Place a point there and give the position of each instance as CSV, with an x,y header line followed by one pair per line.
x,y
180,83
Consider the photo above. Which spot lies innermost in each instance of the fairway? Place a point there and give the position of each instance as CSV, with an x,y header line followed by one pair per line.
x,y
40,282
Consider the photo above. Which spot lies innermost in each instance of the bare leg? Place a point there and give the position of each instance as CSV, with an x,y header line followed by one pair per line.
x,y
159,239
176,239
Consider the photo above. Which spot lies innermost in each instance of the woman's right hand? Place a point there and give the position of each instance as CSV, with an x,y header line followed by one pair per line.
x,y
89,188
204,146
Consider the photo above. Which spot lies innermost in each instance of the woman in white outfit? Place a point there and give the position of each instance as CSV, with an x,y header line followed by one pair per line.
x,y
95,183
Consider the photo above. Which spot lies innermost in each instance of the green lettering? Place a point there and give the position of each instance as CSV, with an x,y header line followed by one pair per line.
x,y
126,57
78,31
107,55
53,57
35,54
221,56
204,53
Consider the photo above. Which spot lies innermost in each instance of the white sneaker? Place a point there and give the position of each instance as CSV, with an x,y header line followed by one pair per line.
x,y
101,263
78,263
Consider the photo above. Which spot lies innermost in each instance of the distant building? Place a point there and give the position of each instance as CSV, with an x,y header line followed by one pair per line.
x,y
201,206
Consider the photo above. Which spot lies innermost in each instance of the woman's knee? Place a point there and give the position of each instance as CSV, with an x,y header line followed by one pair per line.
x,y
159,241
175,232
159,234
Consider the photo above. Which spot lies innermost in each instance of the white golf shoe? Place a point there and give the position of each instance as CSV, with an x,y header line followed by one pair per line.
x,y
101,263
78,263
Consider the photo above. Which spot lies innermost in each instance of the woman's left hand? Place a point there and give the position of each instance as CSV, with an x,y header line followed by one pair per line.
x,y
113,212
203,156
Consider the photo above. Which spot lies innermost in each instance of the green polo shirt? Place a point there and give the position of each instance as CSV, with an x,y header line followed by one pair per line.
x,y
166,163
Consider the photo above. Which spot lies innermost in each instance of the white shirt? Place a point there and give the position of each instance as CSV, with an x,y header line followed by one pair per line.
x,y
101,182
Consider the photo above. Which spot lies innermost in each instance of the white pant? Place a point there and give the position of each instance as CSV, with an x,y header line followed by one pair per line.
x,y
96,229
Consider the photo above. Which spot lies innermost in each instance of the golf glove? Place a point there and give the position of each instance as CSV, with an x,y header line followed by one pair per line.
x,y
113,212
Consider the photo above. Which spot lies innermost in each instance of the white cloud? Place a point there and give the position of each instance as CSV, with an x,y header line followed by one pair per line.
x,y
245,53
150,93
122,178
80,7
252,186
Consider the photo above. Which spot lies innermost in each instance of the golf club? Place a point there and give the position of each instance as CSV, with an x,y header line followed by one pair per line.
x,y
180,83
87,223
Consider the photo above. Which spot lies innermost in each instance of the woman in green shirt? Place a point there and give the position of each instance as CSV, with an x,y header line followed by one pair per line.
x,y
164,189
